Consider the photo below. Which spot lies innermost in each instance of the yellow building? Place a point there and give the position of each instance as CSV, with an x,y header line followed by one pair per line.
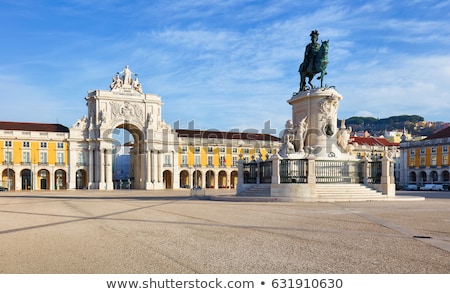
x,y
33,156
426,161
208,159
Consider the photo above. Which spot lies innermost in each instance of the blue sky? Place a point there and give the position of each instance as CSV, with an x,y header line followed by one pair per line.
x,y
227,65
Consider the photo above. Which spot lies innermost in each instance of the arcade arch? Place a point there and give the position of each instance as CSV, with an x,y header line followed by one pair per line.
x,y
167,178
223,179
9,179
61,179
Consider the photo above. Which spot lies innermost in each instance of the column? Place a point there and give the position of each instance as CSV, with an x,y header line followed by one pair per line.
x,y
101,184
51,179
240,182
108,176
148,168
311,170
387,187
91,167
275,168
216,180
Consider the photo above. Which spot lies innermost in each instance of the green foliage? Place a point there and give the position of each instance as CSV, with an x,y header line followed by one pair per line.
x,y
375,125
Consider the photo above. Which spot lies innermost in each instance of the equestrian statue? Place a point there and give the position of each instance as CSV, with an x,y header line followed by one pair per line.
x,y
315,62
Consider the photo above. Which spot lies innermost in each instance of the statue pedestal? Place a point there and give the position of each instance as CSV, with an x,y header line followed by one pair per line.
x,y
320,106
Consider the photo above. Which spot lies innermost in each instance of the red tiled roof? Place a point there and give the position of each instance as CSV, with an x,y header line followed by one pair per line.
x,y
225,135
372,141
444,133
37,127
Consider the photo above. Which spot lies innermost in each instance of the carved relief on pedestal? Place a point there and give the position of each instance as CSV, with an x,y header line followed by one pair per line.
x,y
293,138
328,108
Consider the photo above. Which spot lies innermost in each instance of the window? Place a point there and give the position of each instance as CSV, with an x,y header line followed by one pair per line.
x,y
26,157
422,151
235,150
167,160
60,158
412,152
246,151
197,149
445,149
184,160
60,145
81,159
210,149
433,149
8,143
222,160
197,160
43,144
210,160
26,144
433,160
43,158
184,149
222,149
412,162
422,161
8,157
445,160
235,160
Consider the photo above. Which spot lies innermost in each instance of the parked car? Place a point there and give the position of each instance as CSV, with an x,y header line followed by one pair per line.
x,y
411,188
432,187
3,188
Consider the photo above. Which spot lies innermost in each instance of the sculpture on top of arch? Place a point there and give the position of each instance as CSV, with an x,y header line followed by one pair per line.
x,y
124,80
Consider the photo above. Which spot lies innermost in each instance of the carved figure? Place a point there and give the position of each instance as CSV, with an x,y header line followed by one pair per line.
x,y
343,137
288,137
300,131
127,79
137,86
116,82
315,61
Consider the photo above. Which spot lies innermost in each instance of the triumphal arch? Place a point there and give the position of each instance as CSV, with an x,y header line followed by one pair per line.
x,y
92,146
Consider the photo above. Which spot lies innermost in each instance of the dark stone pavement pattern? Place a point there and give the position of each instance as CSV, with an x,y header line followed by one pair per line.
x,y
167,232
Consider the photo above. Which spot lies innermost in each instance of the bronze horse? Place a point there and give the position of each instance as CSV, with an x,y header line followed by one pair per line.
x,y
320,65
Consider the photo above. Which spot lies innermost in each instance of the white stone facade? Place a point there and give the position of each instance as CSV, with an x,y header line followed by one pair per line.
x,y
91,142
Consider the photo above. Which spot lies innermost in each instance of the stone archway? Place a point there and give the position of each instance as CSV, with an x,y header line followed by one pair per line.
x,y
210,179
223,179
124,106
233,179
412,178
434,177
8,179
43,179
184,179
167,175
81,179
197,179
445,176
26,177
422,177
61,179
137,156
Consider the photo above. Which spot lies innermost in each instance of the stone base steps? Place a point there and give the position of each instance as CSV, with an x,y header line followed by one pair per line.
x,y
347,191
260,190
324,193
